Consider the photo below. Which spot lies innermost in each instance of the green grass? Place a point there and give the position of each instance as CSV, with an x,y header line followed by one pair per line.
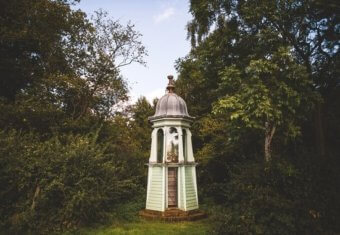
x,y
149,227
125,220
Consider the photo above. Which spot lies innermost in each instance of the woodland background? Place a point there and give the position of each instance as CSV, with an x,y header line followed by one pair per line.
x,y
262,80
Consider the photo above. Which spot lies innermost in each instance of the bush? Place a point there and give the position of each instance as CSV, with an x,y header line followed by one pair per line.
x,y
59,183
272,199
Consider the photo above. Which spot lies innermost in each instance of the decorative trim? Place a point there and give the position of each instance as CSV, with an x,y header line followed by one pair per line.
x,y
183,117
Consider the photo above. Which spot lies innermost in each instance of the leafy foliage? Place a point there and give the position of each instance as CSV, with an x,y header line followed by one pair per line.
x,y
270,93
64,181
253,79
71,156
66,153
33,40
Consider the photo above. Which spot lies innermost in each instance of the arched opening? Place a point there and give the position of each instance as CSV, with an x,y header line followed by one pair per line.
x,y
172,145
184,141
160,145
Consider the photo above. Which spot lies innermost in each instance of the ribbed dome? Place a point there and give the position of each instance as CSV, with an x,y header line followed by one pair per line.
x,y
171,105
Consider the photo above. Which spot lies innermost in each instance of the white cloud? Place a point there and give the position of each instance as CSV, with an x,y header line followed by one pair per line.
x,y
150,96
158,93
166,14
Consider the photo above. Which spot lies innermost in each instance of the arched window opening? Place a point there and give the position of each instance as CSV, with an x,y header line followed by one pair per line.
x,y
172,145
184,138
160,144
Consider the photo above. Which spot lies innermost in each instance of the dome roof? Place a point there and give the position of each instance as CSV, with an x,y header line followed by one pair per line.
x,y
171,105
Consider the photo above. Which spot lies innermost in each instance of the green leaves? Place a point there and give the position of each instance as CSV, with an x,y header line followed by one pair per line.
x,y
56,53
267,90
77,182
259,75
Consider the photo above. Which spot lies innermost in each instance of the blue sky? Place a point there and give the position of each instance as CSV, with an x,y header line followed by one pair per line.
x,y
162,24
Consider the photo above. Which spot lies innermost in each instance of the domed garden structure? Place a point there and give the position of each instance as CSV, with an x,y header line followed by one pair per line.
x,y
171,186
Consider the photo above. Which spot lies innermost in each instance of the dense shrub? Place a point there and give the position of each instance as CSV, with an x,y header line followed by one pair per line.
x,y
275,199
59,183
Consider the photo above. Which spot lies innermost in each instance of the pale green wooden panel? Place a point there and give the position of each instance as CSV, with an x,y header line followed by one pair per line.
x,y
191,201
155,197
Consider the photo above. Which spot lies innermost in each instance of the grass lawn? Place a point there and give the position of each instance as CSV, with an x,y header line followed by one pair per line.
x,y
125,220
150,227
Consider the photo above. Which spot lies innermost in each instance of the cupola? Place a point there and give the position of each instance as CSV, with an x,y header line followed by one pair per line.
x,y
171,105
171,185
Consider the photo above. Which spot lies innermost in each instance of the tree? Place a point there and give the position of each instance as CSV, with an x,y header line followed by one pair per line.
x,y
268,94
140,125
65,153
257,62
65,68
58,55
95,56
104,49
32,41
310,27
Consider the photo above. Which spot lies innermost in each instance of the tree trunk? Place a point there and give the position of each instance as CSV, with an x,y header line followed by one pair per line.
x,y
269,133
36,194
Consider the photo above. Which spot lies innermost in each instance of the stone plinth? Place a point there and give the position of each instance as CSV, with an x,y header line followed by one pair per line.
x,y
173,215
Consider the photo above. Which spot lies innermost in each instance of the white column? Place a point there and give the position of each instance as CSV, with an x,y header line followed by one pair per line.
x,y
189,147
165,140
180,145
153,152
165,172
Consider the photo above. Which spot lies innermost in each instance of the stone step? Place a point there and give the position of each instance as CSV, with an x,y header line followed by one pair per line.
x,y
173,215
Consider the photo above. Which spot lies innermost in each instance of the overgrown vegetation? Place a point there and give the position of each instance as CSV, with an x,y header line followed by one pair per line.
x,y
62,182
66,152
262,80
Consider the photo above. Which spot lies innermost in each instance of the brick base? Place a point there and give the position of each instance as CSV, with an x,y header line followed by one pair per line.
x,y
173,215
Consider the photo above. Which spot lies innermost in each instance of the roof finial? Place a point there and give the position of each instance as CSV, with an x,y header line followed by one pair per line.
x,y
171,84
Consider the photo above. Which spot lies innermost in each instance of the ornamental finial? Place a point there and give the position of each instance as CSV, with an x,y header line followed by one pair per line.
x,y
171,84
